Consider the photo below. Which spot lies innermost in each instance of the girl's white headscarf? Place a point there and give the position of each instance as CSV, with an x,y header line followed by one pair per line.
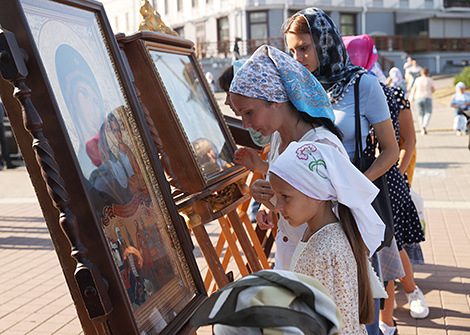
x,y
321,172
459,86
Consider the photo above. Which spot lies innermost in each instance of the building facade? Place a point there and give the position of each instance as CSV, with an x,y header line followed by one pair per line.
x,y
423,28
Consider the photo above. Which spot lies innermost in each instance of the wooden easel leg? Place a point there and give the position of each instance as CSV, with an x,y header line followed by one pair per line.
x,y
256,241
232,245
210,255
245,242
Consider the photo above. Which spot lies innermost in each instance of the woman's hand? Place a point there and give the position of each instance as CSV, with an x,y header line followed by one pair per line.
x,y
251,160
264,218
261,191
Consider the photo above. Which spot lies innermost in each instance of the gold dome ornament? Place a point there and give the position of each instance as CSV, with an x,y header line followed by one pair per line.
x,y
152,20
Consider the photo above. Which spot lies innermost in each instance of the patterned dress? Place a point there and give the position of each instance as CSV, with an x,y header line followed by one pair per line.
x,y
407,225
327,256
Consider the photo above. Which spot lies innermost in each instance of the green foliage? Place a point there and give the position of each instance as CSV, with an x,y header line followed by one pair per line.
x,y
463,76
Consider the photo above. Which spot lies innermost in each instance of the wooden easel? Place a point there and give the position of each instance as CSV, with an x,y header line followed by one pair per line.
x,y
239,240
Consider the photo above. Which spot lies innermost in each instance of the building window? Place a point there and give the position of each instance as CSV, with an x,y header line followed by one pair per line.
x,y
378,3
195,3
404,4
180,31
348,24
167,10
201,44
116,22
127,22
223,35
414,29
258,25
179,5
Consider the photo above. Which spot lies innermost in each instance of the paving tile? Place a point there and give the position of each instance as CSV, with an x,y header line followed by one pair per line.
x,y
27,256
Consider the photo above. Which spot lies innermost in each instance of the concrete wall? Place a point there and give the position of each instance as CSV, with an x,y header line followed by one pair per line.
x,y
449,28
383,22
276,19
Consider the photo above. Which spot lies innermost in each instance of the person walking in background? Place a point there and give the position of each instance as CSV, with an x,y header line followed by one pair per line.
x,y
461,102
3,143
411,73
421,94
210,80
395,79
236,48
408,62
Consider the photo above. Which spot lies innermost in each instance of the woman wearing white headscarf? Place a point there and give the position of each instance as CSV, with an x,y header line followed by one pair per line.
x,y
396,78
461,102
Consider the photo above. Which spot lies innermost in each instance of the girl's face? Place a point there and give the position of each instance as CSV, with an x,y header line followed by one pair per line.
x,y
294,206
256,113
303,49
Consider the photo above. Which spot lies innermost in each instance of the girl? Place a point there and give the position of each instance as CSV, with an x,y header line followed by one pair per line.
x,y
274,94
308,180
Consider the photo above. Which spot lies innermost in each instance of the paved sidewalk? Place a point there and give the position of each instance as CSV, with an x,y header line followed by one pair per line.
x,y
34,298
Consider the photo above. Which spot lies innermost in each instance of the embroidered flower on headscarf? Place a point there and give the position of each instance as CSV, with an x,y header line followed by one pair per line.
x,y
305,152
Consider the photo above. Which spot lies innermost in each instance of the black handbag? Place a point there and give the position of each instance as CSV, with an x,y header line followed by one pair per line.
x,y
381,204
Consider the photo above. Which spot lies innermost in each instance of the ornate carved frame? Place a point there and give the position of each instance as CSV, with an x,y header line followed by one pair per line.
x,y
60,183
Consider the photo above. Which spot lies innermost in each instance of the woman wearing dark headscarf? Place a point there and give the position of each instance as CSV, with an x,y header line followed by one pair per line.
x,y
314,41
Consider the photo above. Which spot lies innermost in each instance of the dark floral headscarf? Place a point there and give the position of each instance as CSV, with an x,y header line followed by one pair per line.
x,y
335,71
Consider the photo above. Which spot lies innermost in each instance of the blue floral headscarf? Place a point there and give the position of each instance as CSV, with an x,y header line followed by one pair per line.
x,y
271,75
335,70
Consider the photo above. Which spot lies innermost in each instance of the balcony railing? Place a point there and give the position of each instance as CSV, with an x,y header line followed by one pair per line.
x,y
388,43
436,45
224,49
456,3
383,43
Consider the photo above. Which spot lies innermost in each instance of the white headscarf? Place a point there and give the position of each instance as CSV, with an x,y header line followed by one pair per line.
x,y
460,85
321,172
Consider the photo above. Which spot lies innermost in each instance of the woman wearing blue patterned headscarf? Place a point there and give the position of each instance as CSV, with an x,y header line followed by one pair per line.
x,y
275,95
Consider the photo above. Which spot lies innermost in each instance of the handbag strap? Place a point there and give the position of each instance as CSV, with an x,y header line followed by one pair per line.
x,y
357,116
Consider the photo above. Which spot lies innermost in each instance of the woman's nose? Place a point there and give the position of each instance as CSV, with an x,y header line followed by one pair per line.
x,y
246,124
227,100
